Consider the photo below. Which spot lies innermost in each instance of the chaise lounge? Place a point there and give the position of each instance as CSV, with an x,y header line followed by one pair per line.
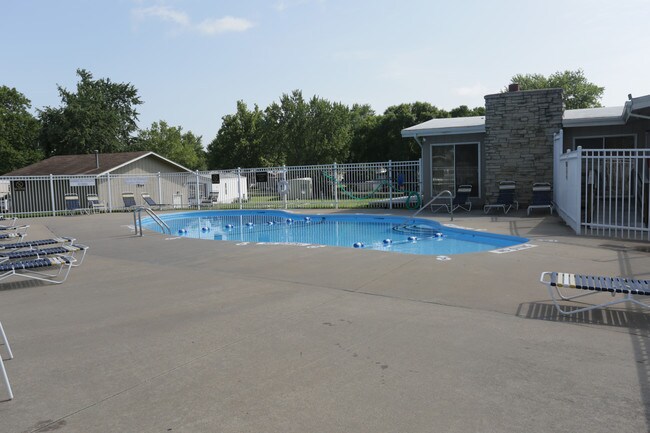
x,y
506,198
460,200
592,285
38,253
542,197
33,269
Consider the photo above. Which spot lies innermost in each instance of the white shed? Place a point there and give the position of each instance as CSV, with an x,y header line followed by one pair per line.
x,y
229,188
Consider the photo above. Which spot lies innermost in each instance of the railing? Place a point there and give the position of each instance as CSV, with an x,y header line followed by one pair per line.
x,y
387,184
440,194
604,192
137,219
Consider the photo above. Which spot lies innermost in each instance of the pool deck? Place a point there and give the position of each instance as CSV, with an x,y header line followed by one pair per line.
x,y
161,334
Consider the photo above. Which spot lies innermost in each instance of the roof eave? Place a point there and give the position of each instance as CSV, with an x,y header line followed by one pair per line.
x,y
602,121
140,157
476,129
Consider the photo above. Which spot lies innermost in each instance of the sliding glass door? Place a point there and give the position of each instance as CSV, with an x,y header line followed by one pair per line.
x,y
453,165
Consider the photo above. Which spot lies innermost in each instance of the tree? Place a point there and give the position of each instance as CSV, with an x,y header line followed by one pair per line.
x,y
578,91
172,143
465,111
19,131
388,141
238,141
101,115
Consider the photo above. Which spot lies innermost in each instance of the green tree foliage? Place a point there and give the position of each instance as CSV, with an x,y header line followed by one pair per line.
x,y
238,142
19,131
170,142
465,111
387,142
301,132
578,91
101,115
291,131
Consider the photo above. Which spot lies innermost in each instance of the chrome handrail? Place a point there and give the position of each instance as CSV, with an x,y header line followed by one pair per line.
x,y
137,219
451,203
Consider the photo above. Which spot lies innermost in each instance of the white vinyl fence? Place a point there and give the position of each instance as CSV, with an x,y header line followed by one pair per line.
x,y
605,192
368,185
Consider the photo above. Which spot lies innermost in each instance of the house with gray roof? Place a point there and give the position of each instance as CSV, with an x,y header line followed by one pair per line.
x,y
515,140
34,187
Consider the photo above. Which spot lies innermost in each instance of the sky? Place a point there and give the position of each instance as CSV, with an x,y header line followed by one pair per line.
x,y
192,60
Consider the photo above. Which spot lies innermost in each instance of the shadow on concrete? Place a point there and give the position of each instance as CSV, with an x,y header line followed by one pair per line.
x,y
633,321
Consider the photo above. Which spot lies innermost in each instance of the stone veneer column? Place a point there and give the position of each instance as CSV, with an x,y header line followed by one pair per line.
x,y
519,128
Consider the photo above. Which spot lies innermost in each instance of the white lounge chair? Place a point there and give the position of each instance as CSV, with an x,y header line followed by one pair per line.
x,y
627,287
35,243
38,253
33,269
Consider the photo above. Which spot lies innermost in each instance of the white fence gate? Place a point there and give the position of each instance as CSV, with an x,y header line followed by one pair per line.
x,y
604,192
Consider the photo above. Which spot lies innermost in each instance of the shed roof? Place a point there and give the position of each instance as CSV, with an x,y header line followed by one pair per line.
x,y
87,164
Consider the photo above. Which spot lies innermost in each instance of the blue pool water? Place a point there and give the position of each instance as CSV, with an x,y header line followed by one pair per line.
x,y
385,233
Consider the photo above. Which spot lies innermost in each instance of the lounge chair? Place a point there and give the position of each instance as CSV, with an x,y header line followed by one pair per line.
x,y
95,204
506,199
151,202
16,232
33,269
129,199
8,229
3,371
35,243
37,253
4,220
460,200
73,205
542,197
593,284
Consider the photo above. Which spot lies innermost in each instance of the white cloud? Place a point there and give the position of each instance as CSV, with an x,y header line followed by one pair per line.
x,y
223,25
475,90
165,13
208,26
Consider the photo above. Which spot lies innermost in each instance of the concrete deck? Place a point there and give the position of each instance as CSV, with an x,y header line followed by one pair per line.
x,y
156,334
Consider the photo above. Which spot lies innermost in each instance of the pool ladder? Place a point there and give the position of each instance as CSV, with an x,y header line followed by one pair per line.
x,y
137,219
440,194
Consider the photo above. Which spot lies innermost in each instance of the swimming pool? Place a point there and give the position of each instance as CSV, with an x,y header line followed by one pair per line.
x,y
376,232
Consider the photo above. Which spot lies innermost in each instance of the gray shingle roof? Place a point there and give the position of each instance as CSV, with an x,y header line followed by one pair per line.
x,y
84,164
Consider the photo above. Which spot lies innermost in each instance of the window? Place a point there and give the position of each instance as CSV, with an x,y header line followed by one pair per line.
x,y
612,142
453,165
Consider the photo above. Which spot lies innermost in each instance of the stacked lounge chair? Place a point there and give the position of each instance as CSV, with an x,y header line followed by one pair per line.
x,y
30,261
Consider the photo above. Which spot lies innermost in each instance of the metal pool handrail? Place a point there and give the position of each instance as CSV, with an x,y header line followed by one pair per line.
x,y
137,219
451,203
